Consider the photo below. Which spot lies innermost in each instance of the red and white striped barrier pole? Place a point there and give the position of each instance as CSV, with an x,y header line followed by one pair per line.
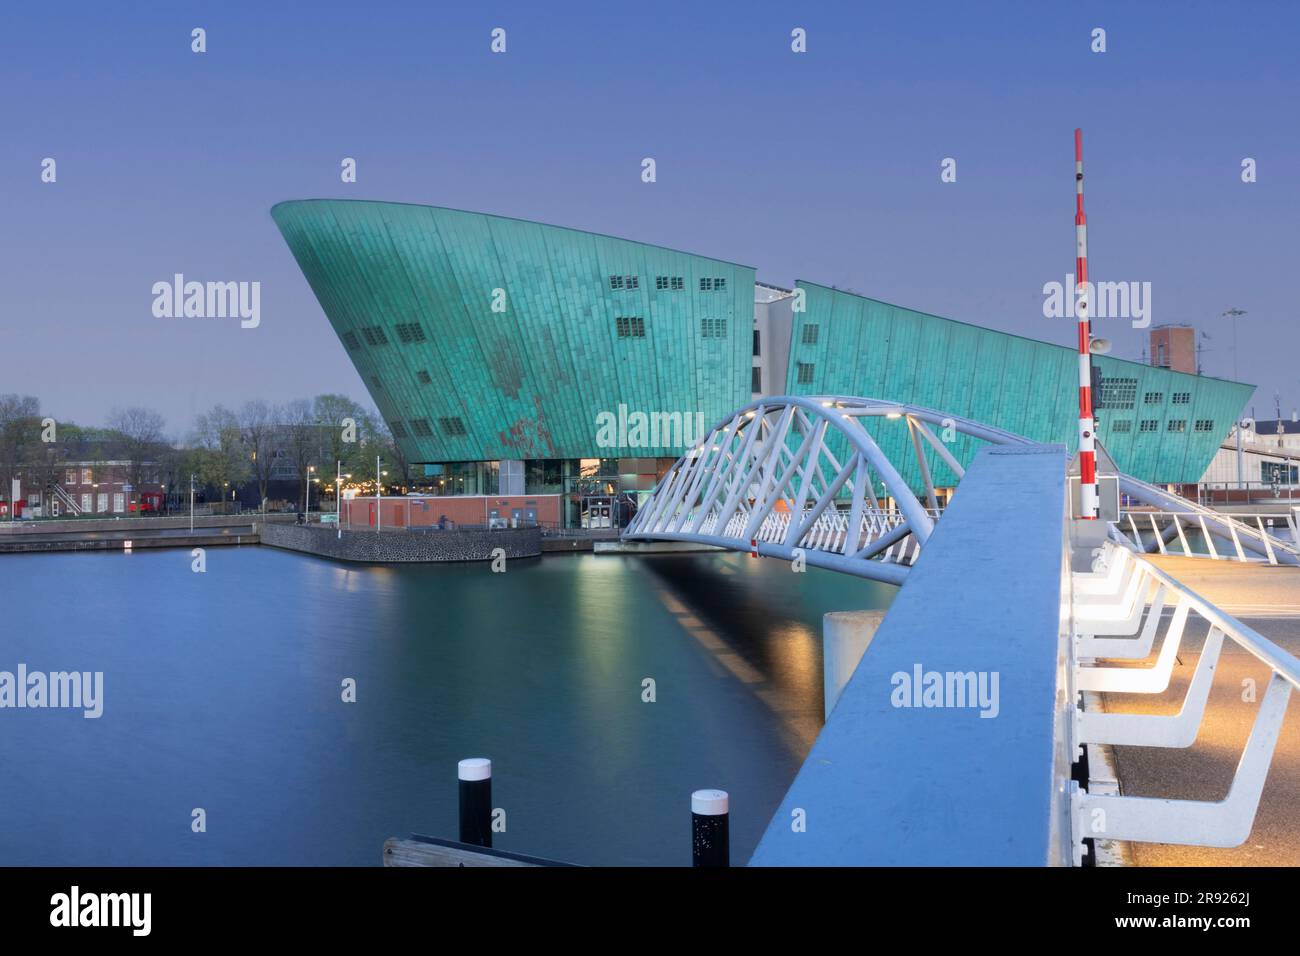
x,y
1087,443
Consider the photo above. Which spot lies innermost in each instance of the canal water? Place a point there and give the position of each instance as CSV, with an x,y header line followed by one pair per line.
x,y
223,691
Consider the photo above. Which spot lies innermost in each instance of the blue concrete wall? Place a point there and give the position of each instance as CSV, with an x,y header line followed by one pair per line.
x,y
909,786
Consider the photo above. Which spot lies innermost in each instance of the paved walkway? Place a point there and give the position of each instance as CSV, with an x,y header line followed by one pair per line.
x,y
1268,599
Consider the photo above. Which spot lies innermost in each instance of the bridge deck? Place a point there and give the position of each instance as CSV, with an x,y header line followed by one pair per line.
x,y
917,786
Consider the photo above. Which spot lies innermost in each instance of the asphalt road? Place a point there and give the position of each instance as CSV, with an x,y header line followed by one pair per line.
x,y
1268,599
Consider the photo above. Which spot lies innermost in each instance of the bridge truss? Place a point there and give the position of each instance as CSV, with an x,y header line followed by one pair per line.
x,y
768,480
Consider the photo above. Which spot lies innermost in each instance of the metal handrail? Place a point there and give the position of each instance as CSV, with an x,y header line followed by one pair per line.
x,y
1223,823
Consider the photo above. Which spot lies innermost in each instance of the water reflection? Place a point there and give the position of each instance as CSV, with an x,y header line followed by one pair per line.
x,y
223,690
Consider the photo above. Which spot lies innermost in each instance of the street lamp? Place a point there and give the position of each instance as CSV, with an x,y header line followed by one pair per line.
x,y
1233,313
307,508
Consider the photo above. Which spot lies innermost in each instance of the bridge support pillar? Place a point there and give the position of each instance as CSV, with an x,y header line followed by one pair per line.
x,y
845,638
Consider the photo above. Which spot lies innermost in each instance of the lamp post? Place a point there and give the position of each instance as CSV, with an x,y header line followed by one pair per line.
x,y
379,502
1233,313
306,511
191,504
338,498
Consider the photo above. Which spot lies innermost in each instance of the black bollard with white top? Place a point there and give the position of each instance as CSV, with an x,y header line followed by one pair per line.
x,y
475,776
710,832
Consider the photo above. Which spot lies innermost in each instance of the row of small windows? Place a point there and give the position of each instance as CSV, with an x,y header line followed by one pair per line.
x,y
452,427
1153,425
408,332
804,373
668,283
633,327
1121,393
810,333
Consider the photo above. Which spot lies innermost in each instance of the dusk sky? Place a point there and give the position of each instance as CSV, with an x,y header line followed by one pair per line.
x,y
822,166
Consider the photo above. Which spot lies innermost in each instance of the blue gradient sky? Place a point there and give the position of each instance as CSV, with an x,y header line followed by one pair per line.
x,y
823,166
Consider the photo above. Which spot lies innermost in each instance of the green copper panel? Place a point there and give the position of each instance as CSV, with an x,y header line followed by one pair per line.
x,y
869,348
458,381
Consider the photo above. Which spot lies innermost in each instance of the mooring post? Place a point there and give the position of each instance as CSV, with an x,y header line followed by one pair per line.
x,y
710,832
475,777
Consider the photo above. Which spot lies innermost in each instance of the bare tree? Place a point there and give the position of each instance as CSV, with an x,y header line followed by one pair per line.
x,y
257,429
140,432
302,443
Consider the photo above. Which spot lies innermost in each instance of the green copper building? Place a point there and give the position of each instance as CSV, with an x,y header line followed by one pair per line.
x,y
513,356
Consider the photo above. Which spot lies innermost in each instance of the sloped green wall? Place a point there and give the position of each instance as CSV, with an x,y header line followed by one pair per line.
x,y
528,382
869,348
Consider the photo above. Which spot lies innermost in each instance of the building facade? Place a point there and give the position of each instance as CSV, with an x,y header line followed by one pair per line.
x,y
530,355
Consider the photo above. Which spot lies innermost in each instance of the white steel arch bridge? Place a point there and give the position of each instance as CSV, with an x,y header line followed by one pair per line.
x,y
772,477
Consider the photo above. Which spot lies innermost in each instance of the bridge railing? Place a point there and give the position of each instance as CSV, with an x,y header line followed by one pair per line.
x,y
1237,529
1247,537
1118,612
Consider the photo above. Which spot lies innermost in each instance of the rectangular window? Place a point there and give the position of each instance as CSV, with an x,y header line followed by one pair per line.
x,y
810,333
421,427
398,429
1205,424
119,502
86,476
713,284
410,332
616,282
1150,425
630,326
758,347
805,373
670,283
85,502
756,379
678,283
374,335
1117,393
713,328
1154,398
625,282
1176,425
351,341
1182,398
70,476
452,426
1121,425
101,504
